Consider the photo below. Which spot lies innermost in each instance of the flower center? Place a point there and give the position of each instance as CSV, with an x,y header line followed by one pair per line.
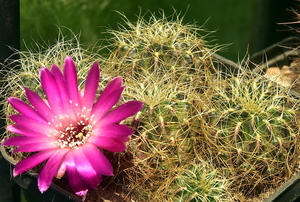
x,y
73,134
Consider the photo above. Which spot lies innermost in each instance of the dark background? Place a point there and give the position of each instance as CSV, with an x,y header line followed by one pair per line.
x,y
249,26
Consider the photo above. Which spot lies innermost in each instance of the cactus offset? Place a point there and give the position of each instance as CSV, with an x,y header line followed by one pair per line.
x,y
199,182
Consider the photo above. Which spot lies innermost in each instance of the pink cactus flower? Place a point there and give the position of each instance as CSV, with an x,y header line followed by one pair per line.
x,y
71,127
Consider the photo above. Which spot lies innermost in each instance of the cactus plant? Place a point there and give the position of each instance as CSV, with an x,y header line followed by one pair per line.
x,y
245,126
251,129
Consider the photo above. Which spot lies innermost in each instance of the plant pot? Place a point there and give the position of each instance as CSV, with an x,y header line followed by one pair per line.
x,y
9,190
289,192
28,181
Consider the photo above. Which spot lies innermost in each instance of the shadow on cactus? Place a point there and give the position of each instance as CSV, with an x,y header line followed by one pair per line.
x,y
251,128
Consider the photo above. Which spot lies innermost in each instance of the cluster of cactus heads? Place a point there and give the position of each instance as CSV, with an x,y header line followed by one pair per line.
x,y
251,128
201,136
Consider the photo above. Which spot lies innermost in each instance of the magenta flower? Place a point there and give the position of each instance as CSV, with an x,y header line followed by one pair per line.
x,y
70,128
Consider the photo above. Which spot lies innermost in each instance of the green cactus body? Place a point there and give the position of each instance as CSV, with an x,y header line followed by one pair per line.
x,y
253,132
160,45
161,63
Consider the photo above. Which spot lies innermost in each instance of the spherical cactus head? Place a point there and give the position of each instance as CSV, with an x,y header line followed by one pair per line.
x,y
251,130
160,44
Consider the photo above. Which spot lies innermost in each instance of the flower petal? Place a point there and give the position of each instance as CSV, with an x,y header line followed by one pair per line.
x,y
51,90
70,75
114,84
102,107
110,144
21,140
24,108
91,86
113,131
75,181
50,169
60,80
85,169
32,124
18,129
38,103
34,147
98,160
122,112
31,161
